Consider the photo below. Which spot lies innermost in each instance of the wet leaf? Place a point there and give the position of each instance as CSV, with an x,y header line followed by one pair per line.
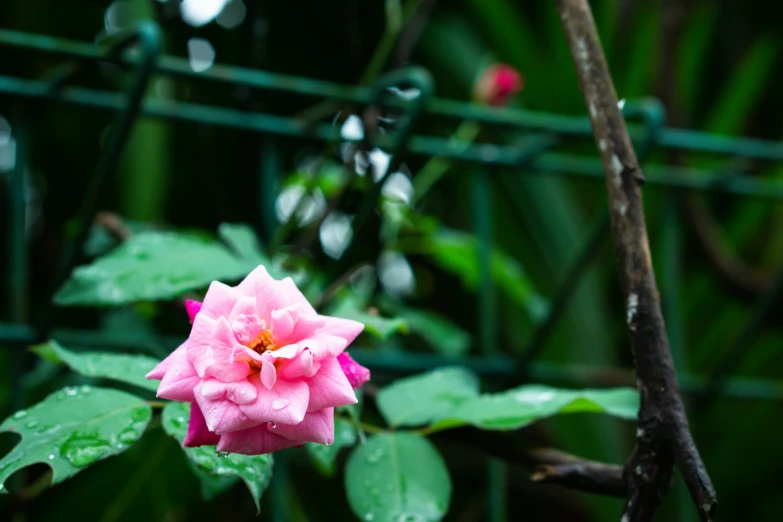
x,y
382,327
73,428
426,398
524,405
243,240
254,470
152,266
397,477
323,456
121,367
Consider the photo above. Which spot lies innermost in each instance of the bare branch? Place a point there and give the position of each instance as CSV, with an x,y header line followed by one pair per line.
x,y
663,435
557,467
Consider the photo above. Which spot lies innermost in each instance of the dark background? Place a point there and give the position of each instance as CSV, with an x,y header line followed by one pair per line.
x,y
717,66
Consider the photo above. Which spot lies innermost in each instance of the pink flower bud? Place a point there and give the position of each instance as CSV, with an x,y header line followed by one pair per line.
x,y
192,307
497,85
356,373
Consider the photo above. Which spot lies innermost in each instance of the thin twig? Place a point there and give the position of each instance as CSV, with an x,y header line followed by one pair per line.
x,y
557,467
548,465
663,435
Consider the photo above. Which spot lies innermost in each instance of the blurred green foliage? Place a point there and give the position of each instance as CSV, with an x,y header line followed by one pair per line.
x,y
715,65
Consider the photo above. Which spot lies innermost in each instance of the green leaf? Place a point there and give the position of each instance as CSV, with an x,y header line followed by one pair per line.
x,y
212,486
524,405
730,111
439,332
382,327
426,398
254,470
73,428
456,252
397,477
242,240
151,266
323,456
121,367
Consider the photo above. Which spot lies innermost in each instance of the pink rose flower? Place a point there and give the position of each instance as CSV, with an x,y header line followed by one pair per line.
x,y
498,84
262,370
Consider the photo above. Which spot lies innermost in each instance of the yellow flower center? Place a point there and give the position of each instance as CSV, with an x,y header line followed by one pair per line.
x,y
262,342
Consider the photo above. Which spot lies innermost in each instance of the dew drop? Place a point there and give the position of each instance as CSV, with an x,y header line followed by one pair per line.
x,y
21,414
70,391
279,404
128,435
221,454
368,517
51,456
85,388
82,450
271,425
31,425
375,457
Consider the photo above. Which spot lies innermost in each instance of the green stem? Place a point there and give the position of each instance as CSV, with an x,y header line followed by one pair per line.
x,y
396,19
437,166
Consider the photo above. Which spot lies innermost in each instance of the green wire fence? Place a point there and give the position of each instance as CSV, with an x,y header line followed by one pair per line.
x,y
139,52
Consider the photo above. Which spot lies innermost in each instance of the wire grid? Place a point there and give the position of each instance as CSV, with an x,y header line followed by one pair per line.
x,y
139,52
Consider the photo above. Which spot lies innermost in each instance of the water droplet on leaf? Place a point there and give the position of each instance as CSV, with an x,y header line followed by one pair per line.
x,y
19,415
81,450
128,435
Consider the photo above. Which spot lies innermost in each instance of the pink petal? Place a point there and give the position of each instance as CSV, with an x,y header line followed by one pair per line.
x,y
297,367
254,441
282,324
268,370
314,369
180,378
294,295
229,371
286,402
315,427
259,275
247,327
159,371
192,308
199,341
219,301
356,373
198,434
212,389
271,294
343,328
287,352
307,325
219,349
244,306
241,392
222,415
329,387
324,346
244,354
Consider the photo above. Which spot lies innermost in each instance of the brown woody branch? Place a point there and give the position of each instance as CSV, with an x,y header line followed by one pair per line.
x,y
557,467
663,435
549,465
